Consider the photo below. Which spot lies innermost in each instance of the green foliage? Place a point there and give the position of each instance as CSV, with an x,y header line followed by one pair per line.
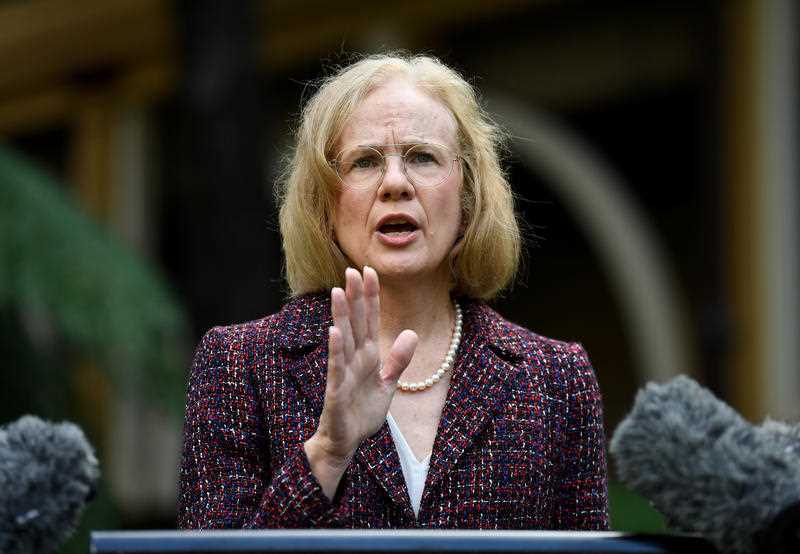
x,y
101,513
103,301
633,513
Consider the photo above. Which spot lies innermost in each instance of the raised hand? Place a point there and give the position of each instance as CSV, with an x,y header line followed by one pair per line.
x,y
360,385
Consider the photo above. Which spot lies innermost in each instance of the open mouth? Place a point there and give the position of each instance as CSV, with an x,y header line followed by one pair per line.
x,y
397,228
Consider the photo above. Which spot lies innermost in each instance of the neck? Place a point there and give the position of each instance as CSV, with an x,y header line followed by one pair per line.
x,y
425,308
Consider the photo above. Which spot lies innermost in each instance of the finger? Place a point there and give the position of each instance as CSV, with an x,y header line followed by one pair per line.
x,y
341,321
336,365
355,298
372,303
399,356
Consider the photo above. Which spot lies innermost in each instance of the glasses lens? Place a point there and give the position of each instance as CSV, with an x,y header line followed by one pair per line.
x,y
360,167
428,165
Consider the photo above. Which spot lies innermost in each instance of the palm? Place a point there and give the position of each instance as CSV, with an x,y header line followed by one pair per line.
x,y
360,388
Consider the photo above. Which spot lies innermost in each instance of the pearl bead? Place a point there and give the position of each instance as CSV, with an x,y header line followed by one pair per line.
x,y
447,364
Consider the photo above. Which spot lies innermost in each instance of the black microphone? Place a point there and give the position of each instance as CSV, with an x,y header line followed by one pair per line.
x,y
711,472
48,473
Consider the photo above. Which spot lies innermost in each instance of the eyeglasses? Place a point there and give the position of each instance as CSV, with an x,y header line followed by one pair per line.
x,y
424,164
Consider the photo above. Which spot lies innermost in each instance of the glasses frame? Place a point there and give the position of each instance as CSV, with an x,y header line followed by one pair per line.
x,y
379,148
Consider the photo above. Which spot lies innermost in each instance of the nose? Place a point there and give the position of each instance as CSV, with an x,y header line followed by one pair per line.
x,y
395,184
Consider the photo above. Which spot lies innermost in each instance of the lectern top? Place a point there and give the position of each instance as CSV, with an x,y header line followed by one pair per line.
x,y
383,541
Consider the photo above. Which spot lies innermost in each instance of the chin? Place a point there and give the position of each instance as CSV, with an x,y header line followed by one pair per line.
x,y
405,270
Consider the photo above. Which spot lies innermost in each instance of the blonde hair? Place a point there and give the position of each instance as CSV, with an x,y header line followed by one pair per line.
x,y
489,252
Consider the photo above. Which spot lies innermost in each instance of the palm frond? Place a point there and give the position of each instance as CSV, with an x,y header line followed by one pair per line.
x,y
102,297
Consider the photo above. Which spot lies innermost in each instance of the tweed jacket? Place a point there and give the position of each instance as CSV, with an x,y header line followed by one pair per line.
x,y
520,442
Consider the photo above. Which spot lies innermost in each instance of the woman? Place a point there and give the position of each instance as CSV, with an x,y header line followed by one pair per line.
x,y
400,399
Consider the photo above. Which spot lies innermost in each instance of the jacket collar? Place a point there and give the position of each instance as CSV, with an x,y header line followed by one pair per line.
x,y
483,376
305,321
307,318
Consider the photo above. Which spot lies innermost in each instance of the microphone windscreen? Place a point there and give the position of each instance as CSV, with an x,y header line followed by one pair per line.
x,y
704,467
48,472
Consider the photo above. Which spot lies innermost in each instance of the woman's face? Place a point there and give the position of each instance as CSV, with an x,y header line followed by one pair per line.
x,y
405,232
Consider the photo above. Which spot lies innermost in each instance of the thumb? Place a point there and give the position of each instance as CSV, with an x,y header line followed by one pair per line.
x,y
399,356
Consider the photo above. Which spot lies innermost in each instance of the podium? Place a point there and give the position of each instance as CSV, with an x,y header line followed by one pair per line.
x,y
390,541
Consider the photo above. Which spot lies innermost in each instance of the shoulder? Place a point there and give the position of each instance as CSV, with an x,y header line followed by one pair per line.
x,y
563,363
301,321
515,339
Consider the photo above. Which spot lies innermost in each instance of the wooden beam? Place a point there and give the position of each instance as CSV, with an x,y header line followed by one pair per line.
x,y
744,226
145,84
50,48
90,156
323,30
45,42
27,113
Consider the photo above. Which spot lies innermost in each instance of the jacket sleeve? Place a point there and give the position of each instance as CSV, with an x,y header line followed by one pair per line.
x,y
582,501
226,480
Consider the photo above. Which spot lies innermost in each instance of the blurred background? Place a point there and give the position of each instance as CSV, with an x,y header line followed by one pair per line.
x,y
654,156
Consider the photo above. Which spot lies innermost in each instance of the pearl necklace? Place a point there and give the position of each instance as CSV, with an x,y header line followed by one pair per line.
x,y
447,364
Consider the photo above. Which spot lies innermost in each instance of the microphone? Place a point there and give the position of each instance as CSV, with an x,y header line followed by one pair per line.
x,y
711,472
48,473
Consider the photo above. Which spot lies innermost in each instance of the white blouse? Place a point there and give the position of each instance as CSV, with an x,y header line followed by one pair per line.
x,y
414,471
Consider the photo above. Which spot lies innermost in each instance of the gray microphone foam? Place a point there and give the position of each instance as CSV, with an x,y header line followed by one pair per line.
x,y
709,471
48,472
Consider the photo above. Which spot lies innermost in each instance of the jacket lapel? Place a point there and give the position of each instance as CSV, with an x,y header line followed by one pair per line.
x,y
309,369
379,455
304,340
483,377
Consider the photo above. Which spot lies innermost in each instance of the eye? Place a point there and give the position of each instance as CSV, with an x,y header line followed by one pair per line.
x,y
365,162
422,158
359,160
425,155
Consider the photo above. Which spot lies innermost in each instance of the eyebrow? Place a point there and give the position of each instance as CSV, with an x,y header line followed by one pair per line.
x,y
397,145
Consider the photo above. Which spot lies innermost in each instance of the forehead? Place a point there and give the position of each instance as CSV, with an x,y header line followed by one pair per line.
x,y
399,111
